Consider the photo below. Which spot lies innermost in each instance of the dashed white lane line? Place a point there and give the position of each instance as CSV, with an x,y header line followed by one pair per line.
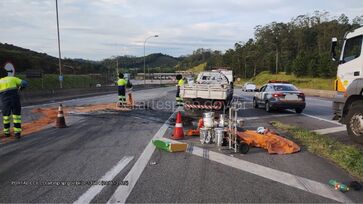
x,y
330,130
298,182
96,189
123,192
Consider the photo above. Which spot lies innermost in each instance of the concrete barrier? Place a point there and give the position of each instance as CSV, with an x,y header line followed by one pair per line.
x,y
36,97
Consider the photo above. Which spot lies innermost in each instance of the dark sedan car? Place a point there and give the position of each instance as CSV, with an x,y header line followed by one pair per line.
x,y
279,95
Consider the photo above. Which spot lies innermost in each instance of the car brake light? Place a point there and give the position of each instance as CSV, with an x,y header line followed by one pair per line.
x,y
277,94
301,94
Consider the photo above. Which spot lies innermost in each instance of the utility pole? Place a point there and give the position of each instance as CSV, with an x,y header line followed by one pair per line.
x,y
245,67
116,67
59,48
277,60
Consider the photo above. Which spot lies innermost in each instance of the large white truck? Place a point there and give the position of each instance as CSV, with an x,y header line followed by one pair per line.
x,y
348,103
212,91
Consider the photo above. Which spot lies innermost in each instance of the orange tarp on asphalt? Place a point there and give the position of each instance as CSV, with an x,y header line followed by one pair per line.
x,y
273,143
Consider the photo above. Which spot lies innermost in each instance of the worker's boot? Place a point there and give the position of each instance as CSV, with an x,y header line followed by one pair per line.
x,y
17,135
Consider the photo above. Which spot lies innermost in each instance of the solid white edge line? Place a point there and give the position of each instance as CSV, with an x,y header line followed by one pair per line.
x,y
88,196
322,119
330,130
122,192
264,117
291,180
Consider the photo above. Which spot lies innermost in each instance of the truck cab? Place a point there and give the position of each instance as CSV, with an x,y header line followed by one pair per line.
x,y
348,103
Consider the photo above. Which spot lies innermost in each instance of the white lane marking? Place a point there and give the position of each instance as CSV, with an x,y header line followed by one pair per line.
x,y
264,117
123,192
298,182
330,130
323,119
96,189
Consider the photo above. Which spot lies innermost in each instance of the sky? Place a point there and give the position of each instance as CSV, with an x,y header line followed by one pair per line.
x,y
98,29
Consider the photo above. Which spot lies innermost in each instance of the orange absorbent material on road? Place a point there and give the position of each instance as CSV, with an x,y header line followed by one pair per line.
x,y
94,108
49,115
272,142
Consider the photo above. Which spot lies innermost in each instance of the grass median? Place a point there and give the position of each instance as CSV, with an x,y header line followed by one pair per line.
x,y
345,156
301,82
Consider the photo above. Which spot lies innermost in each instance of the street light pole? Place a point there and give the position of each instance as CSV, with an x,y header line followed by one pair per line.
x,y
277,55
59,49
153,36
277,60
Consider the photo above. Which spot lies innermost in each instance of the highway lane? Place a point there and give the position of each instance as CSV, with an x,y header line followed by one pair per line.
x,y
92,145
97,142
315,106
185,177
316,116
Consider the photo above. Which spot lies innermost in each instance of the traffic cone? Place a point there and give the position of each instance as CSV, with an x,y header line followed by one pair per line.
x,y
61,122
178,132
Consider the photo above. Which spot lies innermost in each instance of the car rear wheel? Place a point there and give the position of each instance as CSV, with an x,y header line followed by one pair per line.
x,y
255,104
299,110
355,122
267,106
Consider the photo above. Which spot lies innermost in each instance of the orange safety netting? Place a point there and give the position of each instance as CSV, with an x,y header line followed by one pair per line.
x,y
273,143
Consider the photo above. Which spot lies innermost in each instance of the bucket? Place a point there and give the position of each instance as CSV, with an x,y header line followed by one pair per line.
x,y
219,135
203,134
208,119
206,135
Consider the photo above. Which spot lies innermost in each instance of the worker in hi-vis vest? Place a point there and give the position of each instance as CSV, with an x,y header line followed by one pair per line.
x,y
179,100
9,93
121,84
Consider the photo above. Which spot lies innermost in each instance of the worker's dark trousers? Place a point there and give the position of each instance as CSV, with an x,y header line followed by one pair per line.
x,y
122,94
179,100
11,106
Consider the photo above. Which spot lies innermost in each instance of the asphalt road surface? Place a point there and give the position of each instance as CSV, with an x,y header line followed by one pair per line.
x,y
106,156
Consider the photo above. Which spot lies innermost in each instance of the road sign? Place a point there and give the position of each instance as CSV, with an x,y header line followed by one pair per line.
x,y
61,78
32,73
10,69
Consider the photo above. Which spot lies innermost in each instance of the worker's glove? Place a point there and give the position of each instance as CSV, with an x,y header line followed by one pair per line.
x,y
23,84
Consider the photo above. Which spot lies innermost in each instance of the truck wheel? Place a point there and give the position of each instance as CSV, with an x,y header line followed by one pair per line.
x,y
355,122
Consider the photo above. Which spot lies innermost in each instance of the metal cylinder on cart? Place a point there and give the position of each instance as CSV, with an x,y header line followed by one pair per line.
x,y
208,119
206,135
222,120
219,135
